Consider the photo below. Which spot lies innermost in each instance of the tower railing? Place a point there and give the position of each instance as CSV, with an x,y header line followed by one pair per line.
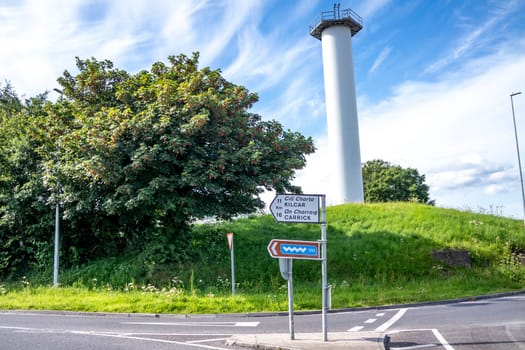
x,y
336,16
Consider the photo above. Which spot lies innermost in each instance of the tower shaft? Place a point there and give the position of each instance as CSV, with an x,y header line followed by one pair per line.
x,y
335,31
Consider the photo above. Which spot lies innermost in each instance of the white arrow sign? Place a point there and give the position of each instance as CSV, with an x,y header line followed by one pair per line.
x,y
296,208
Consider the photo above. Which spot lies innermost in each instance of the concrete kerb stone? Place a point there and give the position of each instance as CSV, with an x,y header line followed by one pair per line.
x,y
311,341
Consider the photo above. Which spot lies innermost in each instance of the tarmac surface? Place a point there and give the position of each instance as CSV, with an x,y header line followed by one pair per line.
x,y
311,341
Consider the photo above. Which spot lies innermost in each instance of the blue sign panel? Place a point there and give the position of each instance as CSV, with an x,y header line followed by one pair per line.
x,y
299,249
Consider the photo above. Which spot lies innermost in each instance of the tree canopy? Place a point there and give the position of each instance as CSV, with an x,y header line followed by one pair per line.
x,y
385,182
132,159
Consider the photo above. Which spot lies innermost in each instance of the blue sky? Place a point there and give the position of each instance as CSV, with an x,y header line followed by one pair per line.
x,y
433,77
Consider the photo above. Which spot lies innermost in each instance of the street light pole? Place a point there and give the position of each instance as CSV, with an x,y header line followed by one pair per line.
x,y
518,152
57,243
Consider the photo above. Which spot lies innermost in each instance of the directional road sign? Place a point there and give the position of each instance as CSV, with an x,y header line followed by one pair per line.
x,y
296,208
280,248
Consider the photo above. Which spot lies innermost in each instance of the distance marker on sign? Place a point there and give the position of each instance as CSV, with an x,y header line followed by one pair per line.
x,y
299,208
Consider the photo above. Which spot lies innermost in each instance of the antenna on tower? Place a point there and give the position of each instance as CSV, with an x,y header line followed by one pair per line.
x,y
337,10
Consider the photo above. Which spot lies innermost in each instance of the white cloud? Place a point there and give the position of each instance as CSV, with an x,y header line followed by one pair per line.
x,y
315,178
457,131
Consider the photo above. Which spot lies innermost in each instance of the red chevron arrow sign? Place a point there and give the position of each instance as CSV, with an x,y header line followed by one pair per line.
x,y
280,248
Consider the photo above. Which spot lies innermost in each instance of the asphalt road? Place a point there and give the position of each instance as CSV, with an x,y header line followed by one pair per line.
x,y
496,323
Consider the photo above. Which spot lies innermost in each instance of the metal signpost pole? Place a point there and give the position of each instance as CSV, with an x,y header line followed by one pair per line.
x,y
285,266
324,267
230,244
301,208
290,299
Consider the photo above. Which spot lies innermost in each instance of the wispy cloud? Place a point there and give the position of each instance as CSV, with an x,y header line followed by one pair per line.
x,y
380,59
44,37
368,9
474,34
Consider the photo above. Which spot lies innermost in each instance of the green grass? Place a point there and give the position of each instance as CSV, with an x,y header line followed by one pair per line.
x,y
378,254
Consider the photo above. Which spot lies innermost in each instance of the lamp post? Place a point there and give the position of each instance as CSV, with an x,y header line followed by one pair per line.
x,y
56,255
57,244
518,152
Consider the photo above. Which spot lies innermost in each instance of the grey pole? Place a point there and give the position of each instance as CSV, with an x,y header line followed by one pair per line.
x,y
291,326
518,152
233,270
285,266
232,259
57,239
324,269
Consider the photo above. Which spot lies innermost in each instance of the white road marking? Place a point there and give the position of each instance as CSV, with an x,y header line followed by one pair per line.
x,y
110,335
371,320
380,314
246,324
205,340
161,341
196,324
391,321
442,340
415,347
355,329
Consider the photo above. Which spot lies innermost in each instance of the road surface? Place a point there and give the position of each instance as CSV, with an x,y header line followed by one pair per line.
x,y
494,323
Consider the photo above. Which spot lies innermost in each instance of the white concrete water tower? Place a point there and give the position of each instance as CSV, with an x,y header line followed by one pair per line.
x,y
335,30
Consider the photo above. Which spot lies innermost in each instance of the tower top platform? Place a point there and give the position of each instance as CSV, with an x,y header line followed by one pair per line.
x,y
327,19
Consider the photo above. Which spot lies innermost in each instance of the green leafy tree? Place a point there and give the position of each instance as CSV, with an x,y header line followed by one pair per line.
x,y
384,182
132,159
149,152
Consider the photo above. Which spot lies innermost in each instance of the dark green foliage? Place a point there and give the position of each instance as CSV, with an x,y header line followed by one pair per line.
x,y
132,160
24,213
384,182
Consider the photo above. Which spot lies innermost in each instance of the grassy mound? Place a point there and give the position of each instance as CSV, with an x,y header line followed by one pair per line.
x,y
377,254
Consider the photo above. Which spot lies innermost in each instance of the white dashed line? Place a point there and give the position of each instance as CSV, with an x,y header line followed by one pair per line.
x,y
355,329
371,320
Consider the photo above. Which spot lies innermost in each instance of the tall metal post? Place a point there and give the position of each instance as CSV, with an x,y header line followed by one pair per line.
x,y
232,259
324,268
57,243
518,152
290,299
233,270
